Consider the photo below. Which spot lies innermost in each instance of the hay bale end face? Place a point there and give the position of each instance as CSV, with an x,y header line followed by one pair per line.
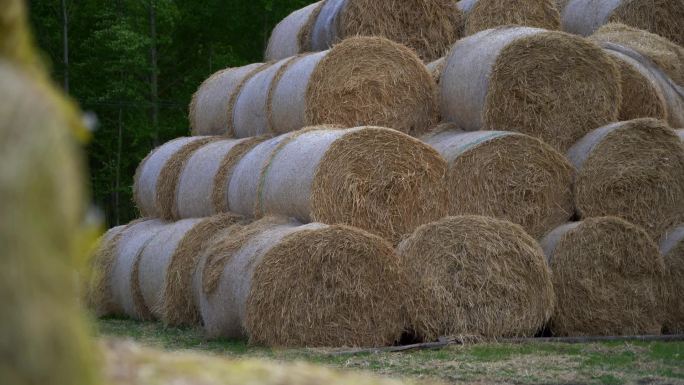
x,y
329,88
99,291
474,275
547,84
607,274
661,17
323,174
633,170
672,249
427,26
484,14
506,175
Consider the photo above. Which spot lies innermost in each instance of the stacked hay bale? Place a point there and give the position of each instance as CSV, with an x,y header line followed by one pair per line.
x,y
286,284
506,175
321,88
662,17
98,294
427,26
607,275
373,178
633,170
485,14
475,275
672,249
546,84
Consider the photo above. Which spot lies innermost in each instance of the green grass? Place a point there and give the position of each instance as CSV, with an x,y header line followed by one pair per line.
x,y
543,363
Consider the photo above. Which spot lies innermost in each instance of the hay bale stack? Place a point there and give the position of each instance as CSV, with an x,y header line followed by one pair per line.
x,y
661,17
546,84
385,84
485,14
672,249
323,175
633,170
427,26
284,284
209,107
474,275
167,264
98,290
157,175
607,274
506,175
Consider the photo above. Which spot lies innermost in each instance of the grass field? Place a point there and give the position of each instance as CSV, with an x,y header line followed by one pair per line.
x,y
542,363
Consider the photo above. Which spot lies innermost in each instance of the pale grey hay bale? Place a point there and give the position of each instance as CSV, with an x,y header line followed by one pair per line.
x,y
583,17
436,67
286,39
325,30
680,132
466,5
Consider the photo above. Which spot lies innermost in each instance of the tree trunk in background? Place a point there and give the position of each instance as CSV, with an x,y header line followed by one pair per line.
x,y
154,79
65,44
117,186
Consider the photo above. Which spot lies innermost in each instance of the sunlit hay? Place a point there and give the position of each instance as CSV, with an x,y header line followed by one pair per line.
x,y
210,164
363,80
506,175
99,292
641,93
546,84
209,105
607,274
633,170
661,17
485,14
323,175
147,181
473,275
436,67
292,35
672,249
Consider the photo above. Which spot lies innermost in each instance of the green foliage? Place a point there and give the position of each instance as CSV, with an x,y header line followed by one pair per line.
x,y
110,69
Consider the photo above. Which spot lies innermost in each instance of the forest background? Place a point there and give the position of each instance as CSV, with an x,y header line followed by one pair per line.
x,y
134,65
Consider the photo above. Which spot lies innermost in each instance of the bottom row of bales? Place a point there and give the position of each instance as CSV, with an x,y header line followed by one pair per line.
x,y
278,282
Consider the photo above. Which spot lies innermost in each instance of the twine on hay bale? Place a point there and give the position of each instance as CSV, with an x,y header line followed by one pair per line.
x,y
474,275
633,170
546,84
200,191
506,175
607,274
485,14
661,17
672,249
286,284
385,84
428,27
323,175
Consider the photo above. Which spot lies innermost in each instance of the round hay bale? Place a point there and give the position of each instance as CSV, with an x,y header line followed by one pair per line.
x,y
284,284
641,94
99,291
672,249
126,291
436,67
662,52
546,84
329,88
200,191
662,17
485,14
680,132
428,27
210,103
607,274
506,175
633,170
473,275
323,175
157,175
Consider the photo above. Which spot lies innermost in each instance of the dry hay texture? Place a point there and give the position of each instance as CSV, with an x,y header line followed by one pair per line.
x,y
99,291
633,170
292,285
672,249
661,17
547,84
485,14
506,175
385,84
322,175
607,274
473,275
428,27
